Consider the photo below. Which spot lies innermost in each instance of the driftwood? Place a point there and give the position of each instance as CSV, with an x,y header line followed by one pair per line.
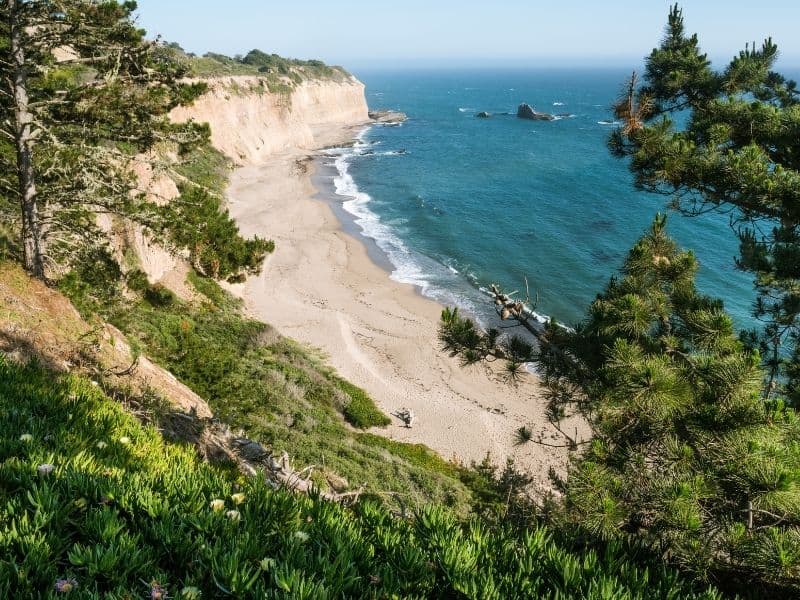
x,y
406,415
279,472
521,311
216,442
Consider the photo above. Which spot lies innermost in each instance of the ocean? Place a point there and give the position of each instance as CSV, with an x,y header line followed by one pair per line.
x,y
456,203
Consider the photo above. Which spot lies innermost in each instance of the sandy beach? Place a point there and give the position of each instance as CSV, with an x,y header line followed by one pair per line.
x,y
320,287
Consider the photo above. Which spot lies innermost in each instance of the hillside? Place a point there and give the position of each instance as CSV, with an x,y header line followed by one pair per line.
x,y
95,503
210,389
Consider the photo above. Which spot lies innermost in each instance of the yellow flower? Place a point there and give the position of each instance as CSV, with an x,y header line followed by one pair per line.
x,y
26,437
238,498
217,505
125,440
233,515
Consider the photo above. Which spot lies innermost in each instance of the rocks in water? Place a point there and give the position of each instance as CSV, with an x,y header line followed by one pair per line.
x,y
525,111
483,115
388,117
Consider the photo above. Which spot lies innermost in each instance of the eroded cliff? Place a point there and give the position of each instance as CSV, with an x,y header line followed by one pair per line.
x,y
249,123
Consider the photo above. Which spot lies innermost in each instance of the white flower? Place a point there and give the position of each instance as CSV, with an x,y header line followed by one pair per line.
x,y
26,437
217,505
301,536
238,498
190,592
101,445
233,515
45,469
125,440
267,563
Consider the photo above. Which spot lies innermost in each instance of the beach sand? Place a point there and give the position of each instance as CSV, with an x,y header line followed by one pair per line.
x,y
320,287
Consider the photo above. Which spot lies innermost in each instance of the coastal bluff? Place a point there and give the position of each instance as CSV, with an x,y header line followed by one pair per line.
x,y
250,123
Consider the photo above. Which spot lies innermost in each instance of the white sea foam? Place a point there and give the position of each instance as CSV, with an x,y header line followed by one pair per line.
x,y
609,123
409,267
441,282
463,110
357,204
558,104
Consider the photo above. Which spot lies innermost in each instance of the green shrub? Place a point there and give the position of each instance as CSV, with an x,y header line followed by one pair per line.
x,y
196,221
94,280
136,280
211,290
91,498
361,410
158,295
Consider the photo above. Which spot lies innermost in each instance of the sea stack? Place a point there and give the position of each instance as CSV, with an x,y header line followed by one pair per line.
x,y
387,117
525,111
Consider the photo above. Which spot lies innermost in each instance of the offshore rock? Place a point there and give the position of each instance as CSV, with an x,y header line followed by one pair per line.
x,y
483,115
389,117
525,111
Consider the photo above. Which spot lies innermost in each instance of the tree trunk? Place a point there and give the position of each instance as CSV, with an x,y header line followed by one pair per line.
x,y
23,133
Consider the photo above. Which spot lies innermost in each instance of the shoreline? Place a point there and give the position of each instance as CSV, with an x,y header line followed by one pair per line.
x,y
324,287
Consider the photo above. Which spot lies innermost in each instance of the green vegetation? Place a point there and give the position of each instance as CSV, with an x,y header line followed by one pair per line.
x,y
694,451
205,167
685,451
736,147
274,69
686,458
72,126
277,392
197,221
360,411
92,501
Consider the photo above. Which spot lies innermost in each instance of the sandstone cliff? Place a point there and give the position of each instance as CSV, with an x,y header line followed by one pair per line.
x,y
249,123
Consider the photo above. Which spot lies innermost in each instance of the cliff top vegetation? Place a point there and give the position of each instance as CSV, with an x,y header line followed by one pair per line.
x,y
255,63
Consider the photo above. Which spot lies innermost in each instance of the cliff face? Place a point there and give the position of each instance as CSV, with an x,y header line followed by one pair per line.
x,y
249,123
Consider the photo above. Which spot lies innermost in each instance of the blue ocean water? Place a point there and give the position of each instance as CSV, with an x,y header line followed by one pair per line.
x,y
458,202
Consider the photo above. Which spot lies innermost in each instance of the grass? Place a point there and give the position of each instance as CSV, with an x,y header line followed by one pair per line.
x,y
211,290
360,411
206,167
93,500
283,396
418,455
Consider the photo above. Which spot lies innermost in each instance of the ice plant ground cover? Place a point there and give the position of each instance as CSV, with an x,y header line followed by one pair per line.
x,y
117,520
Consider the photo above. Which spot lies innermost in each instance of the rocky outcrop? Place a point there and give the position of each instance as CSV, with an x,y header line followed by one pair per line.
x,y
483,115
525,111
388,117
249,123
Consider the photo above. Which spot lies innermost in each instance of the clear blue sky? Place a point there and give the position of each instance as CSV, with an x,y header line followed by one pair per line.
x,y
360,34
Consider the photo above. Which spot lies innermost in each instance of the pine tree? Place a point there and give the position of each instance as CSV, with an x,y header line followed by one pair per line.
x,y
727,140
685,457
82,94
